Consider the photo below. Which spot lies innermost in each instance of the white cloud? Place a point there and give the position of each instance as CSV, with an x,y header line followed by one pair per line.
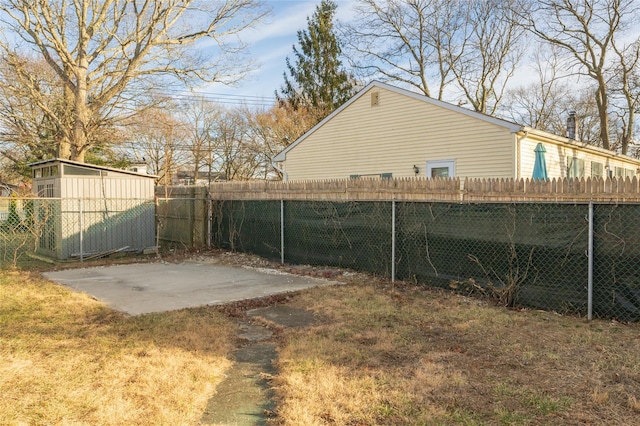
x,y
272,41
286,19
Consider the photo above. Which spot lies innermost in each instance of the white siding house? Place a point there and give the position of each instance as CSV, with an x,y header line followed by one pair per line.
x,y
91,209
391,132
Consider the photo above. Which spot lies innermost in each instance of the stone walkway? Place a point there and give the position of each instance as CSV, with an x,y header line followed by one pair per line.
x,y
244,397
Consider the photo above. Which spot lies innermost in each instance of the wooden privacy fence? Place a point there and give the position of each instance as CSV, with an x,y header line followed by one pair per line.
x,y
423,189
182,216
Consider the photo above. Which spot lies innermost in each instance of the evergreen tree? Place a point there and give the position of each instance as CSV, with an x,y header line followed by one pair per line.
x,y
318,82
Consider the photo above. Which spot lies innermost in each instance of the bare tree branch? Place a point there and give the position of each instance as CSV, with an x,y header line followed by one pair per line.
x,y
101,48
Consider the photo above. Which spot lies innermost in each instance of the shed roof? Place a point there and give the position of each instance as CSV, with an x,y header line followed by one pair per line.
x,y
90,166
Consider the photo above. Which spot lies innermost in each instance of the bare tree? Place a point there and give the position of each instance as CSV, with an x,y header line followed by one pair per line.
x,y
235,153
202,117
159,138
31,131
404,41
587,31
433,43
275,129
582,103
627,86
538,103
547,103
28,132
485,56
105,53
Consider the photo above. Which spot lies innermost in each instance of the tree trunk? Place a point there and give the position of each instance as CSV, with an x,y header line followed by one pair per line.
x,y
627,135
602,101
81,115
64,148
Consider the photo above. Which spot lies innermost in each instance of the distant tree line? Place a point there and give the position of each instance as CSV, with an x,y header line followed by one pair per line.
x,y
88,80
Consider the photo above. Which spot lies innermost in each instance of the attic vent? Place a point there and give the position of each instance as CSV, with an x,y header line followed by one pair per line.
x,y
374,99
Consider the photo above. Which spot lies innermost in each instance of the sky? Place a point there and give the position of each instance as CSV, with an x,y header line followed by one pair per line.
x,y
272,42
269,46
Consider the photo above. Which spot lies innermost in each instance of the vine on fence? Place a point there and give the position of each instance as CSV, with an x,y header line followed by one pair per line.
x,y
21,234
500,284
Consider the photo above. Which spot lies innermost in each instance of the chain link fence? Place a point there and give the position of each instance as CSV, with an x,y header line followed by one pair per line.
x,y
74,228
529,254
25,226
616,266
251,227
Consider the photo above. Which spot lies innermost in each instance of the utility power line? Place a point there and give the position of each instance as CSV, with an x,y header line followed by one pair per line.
x,y
219,98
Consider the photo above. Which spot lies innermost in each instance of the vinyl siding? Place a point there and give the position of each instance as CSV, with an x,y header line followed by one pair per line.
x,y
107,187
398,133
556,159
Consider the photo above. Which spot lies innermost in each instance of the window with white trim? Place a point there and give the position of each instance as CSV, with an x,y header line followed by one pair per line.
x,y
441,169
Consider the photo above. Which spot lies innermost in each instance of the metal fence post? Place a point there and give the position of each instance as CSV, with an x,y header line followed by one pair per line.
x,y
81,229
282,232
590,268
209,218
393,241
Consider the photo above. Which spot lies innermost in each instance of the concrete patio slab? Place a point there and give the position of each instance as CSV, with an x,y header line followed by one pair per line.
x,y
157,287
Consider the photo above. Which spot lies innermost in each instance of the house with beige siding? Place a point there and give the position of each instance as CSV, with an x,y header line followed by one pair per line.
x,y
387,131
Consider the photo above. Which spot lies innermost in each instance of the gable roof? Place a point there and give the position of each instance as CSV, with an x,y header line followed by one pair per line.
x,y
512,127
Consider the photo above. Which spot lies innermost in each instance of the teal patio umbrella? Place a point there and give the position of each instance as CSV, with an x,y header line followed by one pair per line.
x,y
540,165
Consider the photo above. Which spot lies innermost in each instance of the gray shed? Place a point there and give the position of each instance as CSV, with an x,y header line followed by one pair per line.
x,y
83,209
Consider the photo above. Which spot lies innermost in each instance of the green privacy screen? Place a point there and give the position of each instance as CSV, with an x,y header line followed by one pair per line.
x,y
617,261
537,249
530,254
248,226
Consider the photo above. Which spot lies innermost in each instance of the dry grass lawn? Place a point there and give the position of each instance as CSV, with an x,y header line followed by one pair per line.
x,y
378,355
68,359
384,355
